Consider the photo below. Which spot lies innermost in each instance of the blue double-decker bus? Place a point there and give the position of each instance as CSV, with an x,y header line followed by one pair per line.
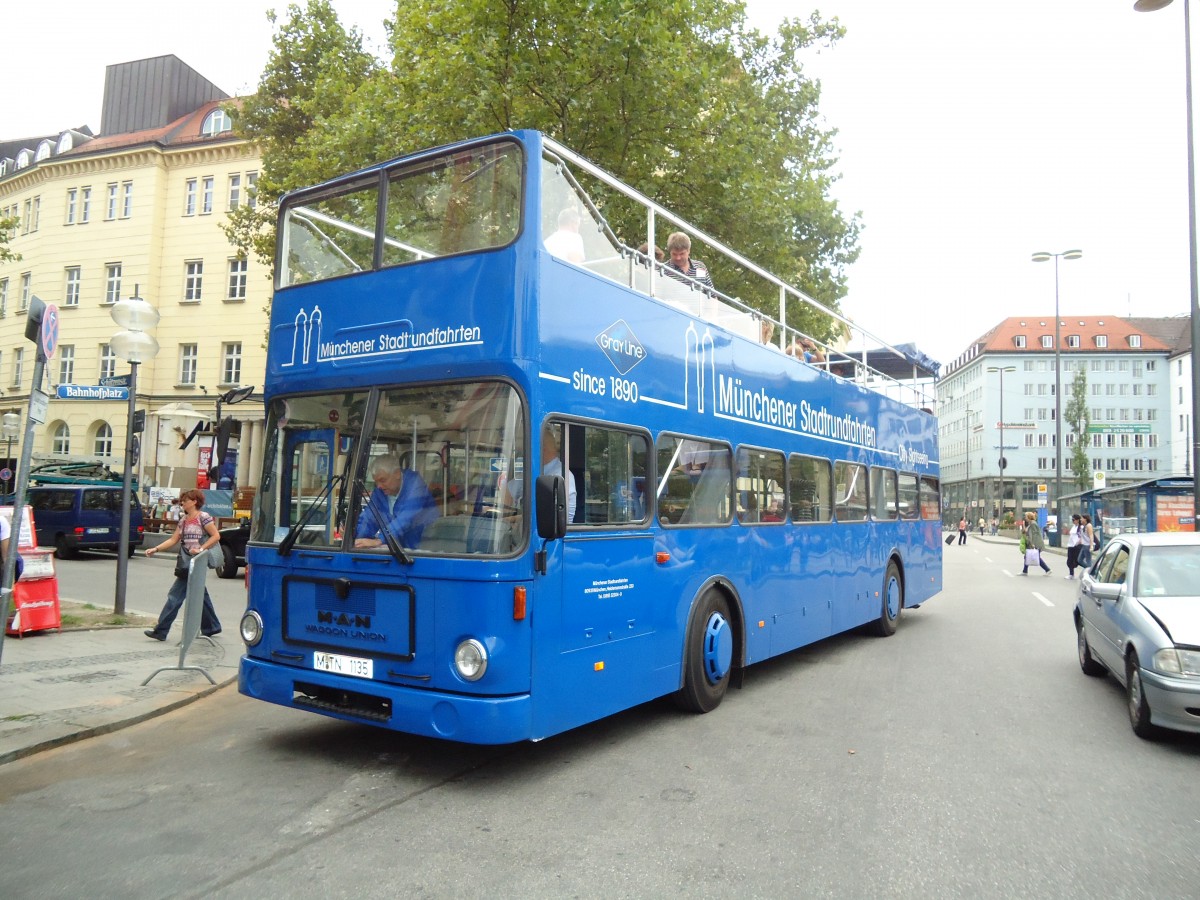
x,y
521,474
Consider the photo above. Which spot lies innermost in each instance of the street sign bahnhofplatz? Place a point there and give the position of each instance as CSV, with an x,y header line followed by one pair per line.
x,y
91,392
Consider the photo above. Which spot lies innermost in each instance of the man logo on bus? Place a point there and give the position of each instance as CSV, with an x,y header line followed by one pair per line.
x,y
621,346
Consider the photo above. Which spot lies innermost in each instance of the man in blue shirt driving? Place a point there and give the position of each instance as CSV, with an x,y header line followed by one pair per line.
x,y
401,499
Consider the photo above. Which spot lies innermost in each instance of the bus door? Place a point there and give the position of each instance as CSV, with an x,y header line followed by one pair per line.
x,y
312,454
607,611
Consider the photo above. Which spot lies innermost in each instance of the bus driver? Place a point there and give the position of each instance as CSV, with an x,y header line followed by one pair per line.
x,y
400,499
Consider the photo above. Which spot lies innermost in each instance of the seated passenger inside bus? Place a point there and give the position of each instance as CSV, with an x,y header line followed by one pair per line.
x,y
551,465
566,243
400,501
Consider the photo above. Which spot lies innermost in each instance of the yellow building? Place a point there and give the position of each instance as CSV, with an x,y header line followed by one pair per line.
x,y
137,213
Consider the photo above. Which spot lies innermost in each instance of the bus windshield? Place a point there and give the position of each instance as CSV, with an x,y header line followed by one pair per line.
x,y
453,202
460,448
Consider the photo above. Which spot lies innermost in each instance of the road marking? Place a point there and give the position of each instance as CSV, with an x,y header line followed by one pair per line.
x,y
1043,599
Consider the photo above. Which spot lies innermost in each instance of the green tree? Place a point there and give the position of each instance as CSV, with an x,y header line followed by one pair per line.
x,y
8,227
680,99
1077,418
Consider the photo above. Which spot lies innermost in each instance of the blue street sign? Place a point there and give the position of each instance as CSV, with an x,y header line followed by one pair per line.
x,y
91,392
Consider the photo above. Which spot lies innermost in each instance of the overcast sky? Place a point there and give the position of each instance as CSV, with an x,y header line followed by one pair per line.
x,y
971,134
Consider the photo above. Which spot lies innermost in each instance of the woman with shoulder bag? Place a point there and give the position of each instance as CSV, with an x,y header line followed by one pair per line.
x,y
1074,545
196,533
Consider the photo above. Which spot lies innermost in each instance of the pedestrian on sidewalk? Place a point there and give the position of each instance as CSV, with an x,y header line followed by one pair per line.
x,y
196,533
982,523
962,531
1074,545
1034,544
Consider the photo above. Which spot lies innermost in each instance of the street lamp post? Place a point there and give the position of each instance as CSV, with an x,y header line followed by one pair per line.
x,y
1151,6
1003,461
11,427
134,346
1043,256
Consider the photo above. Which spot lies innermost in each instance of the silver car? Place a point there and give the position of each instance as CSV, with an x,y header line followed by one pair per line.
x,y
1138,616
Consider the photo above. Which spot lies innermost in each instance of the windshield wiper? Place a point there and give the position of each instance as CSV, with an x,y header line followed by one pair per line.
x,y
285,546
393,545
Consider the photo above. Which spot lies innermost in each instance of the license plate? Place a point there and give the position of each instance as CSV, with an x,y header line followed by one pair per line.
x,y
97,531
343,665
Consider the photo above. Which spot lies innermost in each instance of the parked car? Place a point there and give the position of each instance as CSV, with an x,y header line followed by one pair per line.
x,y
1138,617
71,518
233,549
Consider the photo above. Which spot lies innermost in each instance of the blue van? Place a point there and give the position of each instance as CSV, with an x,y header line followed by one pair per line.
x,y
71,518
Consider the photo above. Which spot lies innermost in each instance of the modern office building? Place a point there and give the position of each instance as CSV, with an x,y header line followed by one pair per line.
x,y
997,401
137,211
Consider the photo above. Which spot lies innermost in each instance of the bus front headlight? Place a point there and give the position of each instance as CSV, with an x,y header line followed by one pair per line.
x,y
470,658
251,628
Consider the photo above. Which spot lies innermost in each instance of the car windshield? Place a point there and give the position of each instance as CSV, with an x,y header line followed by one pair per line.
x,y
1169,571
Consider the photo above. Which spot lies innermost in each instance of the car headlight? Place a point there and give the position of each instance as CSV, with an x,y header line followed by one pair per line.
x,y
1174,661
251,628
470,658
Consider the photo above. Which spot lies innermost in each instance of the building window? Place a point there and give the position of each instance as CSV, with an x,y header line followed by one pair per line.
x,y
108,361
72,201
85,205
126,199
231,363
66,364
1135,341
187,363
1102,341
61,445
206,199
1151,365
1073,341
1019,342
110,210
18,366
26,291
189,197
112,283
33,212
3,297
1047,341
1151,390
104,443
193,280
237,279
216,122
235,190
71,293
252,190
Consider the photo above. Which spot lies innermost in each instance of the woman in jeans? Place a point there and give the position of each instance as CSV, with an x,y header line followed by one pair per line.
x,y
1034,541
198,532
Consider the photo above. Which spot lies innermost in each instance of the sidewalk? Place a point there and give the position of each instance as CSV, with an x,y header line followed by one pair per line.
x,y
57,687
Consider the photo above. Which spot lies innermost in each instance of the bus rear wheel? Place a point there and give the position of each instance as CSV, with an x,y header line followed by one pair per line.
x,y
891,602
708,655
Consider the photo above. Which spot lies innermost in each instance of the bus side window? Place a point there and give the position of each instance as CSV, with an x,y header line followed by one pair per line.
x,y
695,481
851,500
759,494
809,492
885,505
907,487
610,467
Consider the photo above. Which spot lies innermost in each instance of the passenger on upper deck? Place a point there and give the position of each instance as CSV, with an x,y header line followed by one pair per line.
x,y
679,245
567,243
401,499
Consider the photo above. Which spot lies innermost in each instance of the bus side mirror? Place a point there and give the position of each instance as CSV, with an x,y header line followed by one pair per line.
x,y
550,495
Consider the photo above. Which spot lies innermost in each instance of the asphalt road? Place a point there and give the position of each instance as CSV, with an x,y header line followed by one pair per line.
x,y
965,756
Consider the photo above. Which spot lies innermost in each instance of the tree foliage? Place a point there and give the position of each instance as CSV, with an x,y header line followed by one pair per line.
x,y
1077,418
8,228
680,99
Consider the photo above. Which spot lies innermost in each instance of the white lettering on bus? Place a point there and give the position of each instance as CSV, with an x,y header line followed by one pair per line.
x,y
841,428
622,347
754,406
589,384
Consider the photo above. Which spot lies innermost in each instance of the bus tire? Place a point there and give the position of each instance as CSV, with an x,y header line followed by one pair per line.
x,y
891,603
708,655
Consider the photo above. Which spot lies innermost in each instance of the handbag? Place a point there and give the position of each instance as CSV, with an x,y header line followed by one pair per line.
x,y
182,562
1032,557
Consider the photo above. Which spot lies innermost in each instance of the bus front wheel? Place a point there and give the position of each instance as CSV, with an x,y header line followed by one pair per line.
x,y
708,655
891,602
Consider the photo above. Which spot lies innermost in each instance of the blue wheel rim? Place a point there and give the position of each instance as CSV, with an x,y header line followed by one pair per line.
x,y
893,597
718,648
